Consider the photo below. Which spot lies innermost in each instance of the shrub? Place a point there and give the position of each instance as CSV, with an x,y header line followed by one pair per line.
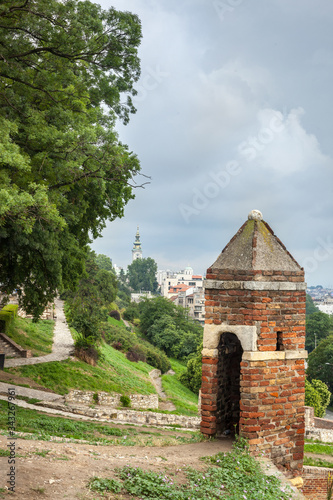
x,y
7,314
125,401
117,345
86,350
312,398
131,355
192,377
115,314
131,312
158,359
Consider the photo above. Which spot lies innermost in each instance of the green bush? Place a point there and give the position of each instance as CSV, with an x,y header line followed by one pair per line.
x,y
192,377
125,401
12,308
323,392
7,314
318,396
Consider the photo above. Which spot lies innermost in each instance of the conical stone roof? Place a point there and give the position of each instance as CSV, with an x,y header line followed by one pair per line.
x,y
255,247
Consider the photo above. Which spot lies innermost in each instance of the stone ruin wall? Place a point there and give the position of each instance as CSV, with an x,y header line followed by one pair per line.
x,y
112,400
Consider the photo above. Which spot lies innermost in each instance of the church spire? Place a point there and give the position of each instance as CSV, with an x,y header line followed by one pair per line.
x,y
137,250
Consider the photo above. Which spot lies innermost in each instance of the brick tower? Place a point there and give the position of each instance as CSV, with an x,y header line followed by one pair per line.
x,y
253,348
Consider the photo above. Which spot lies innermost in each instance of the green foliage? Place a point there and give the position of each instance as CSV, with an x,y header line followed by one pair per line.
x,y
142,275
318,323
125,401
132,311
310,307
12,308
88,306
320,363
104,262
67,71
318,396
100,485
323,392
168,327
125,340
192,377
235,476
7,315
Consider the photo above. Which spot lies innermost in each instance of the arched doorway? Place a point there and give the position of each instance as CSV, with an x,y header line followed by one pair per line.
x,y
230,354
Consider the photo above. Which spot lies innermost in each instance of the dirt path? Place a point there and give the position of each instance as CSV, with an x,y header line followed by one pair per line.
x,y
63,343
155,377
66,467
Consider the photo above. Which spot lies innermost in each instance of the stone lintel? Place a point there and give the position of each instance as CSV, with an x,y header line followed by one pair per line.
x,y
254,285
210,353
273,355
247,335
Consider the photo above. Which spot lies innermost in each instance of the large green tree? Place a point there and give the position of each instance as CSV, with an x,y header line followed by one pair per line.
x,y
67,70
320,363
318,326
141,275
90,303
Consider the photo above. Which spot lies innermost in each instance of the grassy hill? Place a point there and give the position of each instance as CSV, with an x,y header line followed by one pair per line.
x,y
113,373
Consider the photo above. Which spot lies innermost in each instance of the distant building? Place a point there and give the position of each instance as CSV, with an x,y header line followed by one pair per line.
x,y
137,250
185,289
138,297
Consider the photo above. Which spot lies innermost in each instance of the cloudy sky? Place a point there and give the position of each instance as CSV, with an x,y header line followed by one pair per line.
x,y
234,113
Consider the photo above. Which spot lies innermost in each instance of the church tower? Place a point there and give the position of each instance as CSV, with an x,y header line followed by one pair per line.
x,y
137,250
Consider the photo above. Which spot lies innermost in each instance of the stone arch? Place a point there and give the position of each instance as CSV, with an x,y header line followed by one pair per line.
x,y
230,353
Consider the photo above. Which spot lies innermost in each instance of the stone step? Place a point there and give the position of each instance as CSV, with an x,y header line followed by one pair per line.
x,y
7,349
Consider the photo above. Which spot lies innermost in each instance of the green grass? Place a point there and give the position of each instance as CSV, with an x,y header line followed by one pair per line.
x,y
114,374
115,322
319,448
43,427
185,401
38,337
177,366
317,462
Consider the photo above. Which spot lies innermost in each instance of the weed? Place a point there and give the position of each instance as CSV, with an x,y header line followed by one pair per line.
x,y
235,476
101,485
39,489
42,453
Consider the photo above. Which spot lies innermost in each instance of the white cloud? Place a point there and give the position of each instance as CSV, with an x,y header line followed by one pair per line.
x,y
282,143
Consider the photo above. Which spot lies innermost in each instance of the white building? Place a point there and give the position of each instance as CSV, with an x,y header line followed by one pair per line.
x,y
185,289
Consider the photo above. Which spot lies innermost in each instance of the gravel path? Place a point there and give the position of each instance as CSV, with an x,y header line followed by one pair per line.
x,y
63,343
155,377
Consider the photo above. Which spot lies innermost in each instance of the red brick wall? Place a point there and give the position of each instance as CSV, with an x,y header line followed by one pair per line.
x,y
315,482
272,387
272,409
277,311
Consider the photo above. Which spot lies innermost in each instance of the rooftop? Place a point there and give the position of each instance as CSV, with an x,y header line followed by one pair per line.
x,y
256,247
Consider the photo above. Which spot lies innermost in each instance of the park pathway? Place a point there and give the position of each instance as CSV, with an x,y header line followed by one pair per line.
x,y
63,343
